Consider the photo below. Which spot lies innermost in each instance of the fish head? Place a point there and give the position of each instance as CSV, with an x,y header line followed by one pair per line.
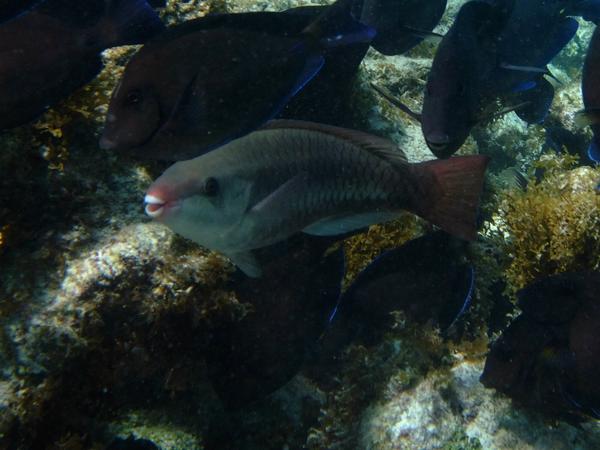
x,y
202,202
447,108
133,117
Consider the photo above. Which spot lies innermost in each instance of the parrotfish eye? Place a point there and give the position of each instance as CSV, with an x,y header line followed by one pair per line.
x,y
211,187
133,98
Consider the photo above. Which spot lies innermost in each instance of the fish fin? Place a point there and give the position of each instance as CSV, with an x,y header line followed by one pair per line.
x,y
452,197
593,152
129,22
384,148
465,305
428,36
525,86
277,201
556,40
331,226
187,111
516,179
587,117
385,93
539,99
246,262
336,26
312,68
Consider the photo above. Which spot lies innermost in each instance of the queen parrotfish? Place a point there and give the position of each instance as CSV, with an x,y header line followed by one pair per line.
x,y
195,87
549,357
590,88
50,50
300,319
294,176
211,80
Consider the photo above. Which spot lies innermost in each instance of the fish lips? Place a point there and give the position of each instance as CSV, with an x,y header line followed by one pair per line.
x,y
443,148
157,208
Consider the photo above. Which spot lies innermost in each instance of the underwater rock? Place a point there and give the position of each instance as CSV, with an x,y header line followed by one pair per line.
x,y
453,410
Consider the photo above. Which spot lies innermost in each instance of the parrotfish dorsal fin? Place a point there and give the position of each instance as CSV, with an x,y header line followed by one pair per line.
x,y
383,148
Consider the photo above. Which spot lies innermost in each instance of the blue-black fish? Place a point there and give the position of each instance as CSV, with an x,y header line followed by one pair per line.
x,y
206,82
250,358
297,176
51,50
590,88
495,51
401,24
549,357
429,278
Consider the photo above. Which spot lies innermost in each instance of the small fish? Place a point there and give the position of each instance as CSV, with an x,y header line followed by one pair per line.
x,y
294,176
590,88
205,82
494,51
428,278
53,49
250,358
549,357
401,24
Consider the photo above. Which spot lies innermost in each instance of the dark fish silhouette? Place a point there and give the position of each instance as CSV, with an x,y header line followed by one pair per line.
x,y
299,316
51,50
549,357
494,51
198,86
428,278
294,176
590,88
249,359
401,24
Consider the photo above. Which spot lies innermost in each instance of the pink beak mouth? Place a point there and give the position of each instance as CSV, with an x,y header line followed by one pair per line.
x,y
154,206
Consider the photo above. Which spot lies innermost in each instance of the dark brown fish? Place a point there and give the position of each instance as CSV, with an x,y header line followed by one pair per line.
x,y
590,88
253,357
203,83
549,357
51,50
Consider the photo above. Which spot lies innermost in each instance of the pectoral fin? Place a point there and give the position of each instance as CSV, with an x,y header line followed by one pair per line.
x,y
587,117
335,225
278,201
246,262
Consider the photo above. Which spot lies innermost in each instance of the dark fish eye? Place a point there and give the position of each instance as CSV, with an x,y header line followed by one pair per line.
x,y
133,98
211,187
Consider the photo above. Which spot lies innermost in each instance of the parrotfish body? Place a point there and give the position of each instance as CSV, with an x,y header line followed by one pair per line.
x,y
206,82
300,176
590,87
51,50
549,357
495,50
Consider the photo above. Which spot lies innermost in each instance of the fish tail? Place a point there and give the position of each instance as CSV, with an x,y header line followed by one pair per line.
x,y
452,189
337,26
129,22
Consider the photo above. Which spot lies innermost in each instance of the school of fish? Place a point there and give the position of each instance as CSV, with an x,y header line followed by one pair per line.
x,y
249,107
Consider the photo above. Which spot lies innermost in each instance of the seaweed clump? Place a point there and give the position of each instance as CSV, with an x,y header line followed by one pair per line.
x,y
361,249
554,225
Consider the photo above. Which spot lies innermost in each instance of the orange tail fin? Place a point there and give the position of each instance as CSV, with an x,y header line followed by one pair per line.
x,y
452,190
